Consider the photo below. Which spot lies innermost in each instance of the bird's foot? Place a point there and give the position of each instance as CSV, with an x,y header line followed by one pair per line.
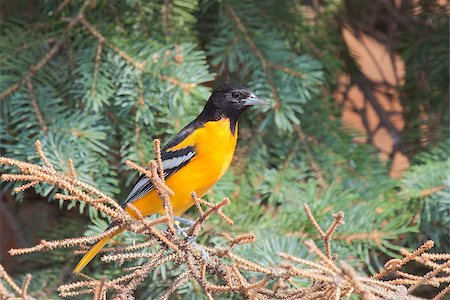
x,y
181,230
191,239
184,220
204,252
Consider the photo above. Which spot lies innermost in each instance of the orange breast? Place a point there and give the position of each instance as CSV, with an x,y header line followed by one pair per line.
x,y
215,145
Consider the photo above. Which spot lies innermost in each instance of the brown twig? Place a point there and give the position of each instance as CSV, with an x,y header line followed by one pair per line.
x,y
224,271
35,105
338,220
98,55
102,39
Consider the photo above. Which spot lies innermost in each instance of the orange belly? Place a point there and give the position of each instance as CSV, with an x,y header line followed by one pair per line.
x,y
215,145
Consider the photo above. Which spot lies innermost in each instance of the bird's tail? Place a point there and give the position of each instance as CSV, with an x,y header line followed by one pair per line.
x,y
93,251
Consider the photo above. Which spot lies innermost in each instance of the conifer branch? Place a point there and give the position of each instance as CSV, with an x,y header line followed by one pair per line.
x,y
328,279
265,63
35,105
314,165
427,192
103,40
139,65
48,56
187,87
11,90
17,292
98,55
61,6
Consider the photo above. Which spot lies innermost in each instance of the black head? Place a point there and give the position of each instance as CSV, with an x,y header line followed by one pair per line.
x,y
231,100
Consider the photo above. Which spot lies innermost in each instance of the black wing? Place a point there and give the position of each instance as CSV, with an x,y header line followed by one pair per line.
x,y
172,162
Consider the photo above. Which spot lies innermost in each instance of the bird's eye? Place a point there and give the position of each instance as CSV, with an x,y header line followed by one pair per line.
x,y
235,95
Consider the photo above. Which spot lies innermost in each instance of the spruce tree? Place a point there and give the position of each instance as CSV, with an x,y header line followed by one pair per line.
x,y
97,81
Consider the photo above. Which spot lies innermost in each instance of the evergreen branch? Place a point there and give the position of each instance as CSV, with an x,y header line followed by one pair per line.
x,y
50,245
249,47
361,290
199,201
35,105
40,152
102,39
338,220
159,163
313,220
326,236
21,48
314,165
25,186
328,260
62,6
100,290
22,292
139,65
165,16
328,279
395,264
374,236
5,276
74,186
96,66
426,260
134,247
240,239
179,281
427,192
286,70
33,69
11,90
72,168
187,87
25,285
265,63
140,85
442,293
430,275
4,293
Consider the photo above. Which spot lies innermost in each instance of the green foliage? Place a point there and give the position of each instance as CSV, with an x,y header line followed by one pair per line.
x,y
427,184
103,100
424,48
252,47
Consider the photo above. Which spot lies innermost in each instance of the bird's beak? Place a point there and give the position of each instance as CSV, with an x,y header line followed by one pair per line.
x,y
253,100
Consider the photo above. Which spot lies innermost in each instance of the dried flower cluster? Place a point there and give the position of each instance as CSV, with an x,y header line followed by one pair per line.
x,y
221,271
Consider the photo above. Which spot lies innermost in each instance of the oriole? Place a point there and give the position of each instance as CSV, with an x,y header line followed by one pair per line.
x,y
194,159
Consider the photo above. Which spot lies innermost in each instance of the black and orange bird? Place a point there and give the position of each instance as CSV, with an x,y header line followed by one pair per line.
x,y
194,159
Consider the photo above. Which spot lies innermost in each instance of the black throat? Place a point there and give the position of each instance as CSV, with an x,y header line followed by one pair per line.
x,y
214,113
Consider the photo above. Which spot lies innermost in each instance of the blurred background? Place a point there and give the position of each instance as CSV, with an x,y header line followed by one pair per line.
x,y
359,121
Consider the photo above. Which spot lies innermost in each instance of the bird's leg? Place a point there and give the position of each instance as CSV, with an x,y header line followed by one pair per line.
x,y
205,253
184,220
191,239
180,230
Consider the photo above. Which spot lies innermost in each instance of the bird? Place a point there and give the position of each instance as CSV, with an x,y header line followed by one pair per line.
x,y
193,160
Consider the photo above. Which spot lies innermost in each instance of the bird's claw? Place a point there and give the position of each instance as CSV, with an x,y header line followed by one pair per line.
x,y
199,247
191,239
184,220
